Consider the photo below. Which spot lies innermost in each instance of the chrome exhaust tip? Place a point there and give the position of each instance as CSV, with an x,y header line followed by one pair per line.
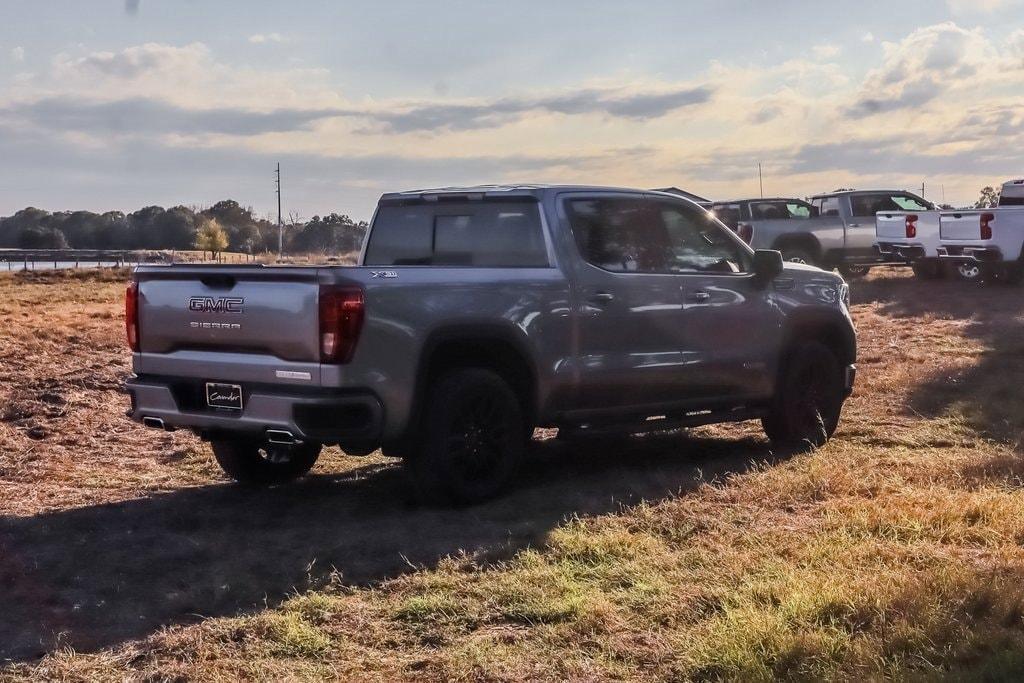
x,y
282,437
154,422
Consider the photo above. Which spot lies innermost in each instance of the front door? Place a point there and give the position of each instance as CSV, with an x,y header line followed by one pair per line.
x,y
731,327
628,327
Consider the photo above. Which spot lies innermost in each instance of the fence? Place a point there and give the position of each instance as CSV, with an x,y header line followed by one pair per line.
x,y
47,259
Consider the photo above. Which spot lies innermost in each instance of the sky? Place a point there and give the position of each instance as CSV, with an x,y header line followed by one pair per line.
x,y
119,104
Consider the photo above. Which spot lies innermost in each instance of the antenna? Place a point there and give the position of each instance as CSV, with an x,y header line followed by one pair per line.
x,y
280,225
760,179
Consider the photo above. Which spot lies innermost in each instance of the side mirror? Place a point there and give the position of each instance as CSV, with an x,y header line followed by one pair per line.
x,y
767,264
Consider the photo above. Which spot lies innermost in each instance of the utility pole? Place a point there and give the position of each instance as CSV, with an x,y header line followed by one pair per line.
x,y
760,179
280,225
922,189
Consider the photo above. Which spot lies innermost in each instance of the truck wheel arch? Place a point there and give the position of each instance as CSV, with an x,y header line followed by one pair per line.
x,y
804,241
827,327
494,347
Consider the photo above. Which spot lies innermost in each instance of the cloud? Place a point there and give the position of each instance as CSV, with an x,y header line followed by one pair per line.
x,y
826,51
18,54
261,38
766,114
140,116
135,61
921,67
148,172
638,106
868,37
151,116
974,6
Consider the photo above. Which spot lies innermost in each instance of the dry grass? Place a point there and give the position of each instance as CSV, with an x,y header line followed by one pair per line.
x,y
895,552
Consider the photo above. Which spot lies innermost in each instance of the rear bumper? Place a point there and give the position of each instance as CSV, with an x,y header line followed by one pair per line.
x,y
350,417
971,253
899,251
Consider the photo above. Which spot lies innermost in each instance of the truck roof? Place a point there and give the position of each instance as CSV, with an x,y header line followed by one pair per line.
x,y
851,192
759,199
522,189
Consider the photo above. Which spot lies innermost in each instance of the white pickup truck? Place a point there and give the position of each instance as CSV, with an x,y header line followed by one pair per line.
x,y
979,243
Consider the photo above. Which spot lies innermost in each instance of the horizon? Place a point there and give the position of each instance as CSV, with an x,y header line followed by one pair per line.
x,y
118,105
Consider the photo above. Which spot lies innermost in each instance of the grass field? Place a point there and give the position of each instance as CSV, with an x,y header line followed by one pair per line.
x,y
895,552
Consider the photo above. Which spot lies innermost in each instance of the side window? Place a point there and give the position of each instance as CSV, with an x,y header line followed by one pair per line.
x,y
634,235
867,205
619,235
829,206
698,244
908,203
798,210
730,214
769,211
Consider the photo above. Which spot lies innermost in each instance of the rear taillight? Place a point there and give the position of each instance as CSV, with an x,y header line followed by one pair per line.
x,y
986,227
745,231
131,315
911,225
341,320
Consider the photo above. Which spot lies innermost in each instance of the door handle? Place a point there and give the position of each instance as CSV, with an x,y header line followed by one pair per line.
x,y
602,298
853,225
699,295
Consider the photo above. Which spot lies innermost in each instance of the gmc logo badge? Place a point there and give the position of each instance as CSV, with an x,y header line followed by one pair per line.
x,y
207,304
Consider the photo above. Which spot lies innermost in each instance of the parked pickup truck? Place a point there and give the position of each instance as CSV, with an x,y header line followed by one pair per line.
x,y
475,315
832,230
978,242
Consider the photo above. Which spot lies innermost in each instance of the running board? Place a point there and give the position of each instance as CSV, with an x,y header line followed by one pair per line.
x,y
660,423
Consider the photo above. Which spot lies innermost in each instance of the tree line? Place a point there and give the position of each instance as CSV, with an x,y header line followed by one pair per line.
x,y
224,226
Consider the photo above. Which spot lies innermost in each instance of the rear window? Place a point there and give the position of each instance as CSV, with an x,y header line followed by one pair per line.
x,y
477,233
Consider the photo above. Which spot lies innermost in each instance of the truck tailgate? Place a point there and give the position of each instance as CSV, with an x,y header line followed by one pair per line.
x,y
249,309
891,225
960,225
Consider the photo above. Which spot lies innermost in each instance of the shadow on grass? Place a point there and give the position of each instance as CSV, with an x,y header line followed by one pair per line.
x,y
988,393
92,577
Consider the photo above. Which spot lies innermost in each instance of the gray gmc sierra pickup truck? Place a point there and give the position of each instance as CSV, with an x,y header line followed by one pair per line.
x,y
479,313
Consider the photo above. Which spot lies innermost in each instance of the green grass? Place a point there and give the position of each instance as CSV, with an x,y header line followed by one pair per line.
x,y
896,552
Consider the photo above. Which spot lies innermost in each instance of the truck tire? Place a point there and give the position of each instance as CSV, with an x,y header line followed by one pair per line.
x,y
808,398
972,271
252,461
471,442
928,269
